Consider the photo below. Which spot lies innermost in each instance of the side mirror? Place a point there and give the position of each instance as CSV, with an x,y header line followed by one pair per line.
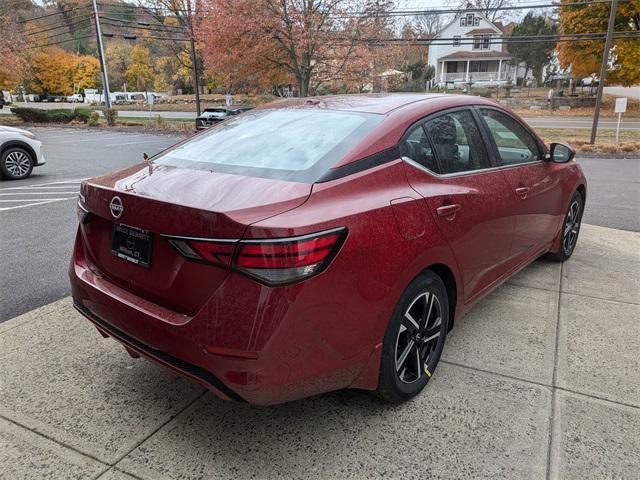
x,y
561,153
145,156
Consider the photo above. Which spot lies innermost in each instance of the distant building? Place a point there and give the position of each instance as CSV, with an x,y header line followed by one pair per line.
x,y
478,54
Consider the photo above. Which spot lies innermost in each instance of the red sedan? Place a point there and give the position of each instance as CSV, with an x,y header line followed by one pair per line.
x,y
321,244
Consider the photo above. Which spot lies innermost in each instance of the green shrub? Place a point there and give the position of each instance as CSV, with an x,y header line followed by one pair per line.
x,y
110,115
93,119
58,115
82,114
38,115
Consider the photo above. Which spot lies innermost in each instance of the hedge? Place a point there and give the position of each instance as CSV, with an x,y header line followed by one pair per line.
x,y
58,115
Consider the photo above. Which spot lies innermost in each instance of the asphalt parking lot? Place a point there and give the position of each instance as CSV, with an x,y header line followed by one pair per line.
x,y
38,220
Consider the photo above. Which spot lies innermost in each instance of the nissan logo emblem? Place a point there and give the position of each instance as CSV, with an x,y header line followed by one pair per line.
x,y
116,207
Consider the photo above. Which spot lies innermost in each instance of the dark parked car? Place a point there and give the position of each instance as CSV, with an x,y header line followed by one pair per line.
x,y
321,244
213,115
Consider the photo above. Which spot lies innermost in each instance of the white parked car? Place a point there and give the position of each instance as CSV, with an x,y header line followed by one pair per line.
x,y
20,151
75,98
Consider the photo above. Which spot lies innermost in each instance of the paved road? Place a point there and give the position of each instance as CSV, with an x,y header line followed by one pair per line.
x,y
38,221
629,124
37,215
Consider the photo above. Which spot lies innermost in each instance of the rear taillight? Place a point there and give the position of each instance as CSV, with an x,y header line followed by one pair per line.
x,y
273,262
215,252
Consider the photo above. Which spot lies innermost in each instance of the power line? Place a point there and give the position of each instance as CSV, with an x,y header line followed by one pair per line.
x,y
129,24
65,25
52,14
391,13
61,41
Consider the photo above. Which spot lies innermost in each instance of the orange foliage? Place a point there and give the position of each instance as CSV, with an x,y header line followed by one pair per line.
x,y
585,57
12,42
263,43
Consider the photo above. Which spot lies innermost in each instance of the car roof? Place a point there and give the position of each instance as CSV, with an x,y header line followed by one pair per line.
x,y
380,103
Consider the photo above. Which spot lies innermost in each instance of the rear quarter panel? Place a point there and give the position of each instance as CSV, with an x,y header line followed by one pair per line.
x,y
377,260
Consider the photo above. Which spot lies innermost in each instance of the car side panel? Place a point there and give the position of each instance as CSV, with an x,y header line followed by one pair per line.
x,y
376,263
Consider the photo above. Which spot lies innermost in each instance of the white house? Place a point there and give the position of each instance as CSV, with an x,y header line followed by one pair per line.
x,y
477,55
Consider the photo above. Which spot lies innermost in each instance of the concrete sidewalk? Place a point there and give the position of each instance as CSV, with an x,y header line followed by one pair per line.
x,y
540,380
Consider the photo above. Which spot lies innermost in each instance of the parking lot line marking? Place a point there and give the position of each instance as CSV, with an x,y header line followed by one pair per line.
x,y
38,193
39,187
155,140
14,200
44,202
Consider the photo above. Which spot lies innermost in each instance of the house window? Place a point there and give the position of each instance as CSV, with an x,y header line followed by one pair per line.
x,y
476,21
481,42
470,19
456,40
463,22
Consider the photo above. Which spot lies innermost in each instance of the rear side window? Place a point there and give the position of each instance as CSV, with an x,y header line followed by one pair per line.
x,y
297,145
416,147
515,144
457,142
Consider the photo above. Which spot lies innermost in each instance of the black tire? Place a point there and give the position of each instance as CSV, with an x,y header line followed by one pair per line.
x,y
570,229
16,163
404,372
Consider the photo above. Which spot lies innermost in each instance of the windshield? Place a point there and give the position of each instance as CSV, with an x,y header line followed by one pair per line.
x,y
297,145
217,111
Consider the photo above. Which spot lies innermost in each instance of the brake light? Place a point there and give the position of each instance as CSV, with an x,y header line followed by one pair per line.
x,y
281,261
274,261
215,252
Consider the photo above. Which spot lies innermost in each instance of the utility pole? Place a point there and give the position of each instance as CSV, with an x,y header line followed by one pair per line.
x,y
103,63
603,69
194,66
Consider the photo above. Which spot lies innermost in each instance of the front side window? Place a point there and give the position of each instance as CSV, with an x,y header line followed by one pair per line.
x,y
284,144
515,144
457,142
416,147
477,42
485,42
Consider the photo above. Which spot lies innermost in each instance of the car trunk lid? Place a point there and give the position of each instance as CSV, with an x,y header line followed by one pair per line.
x,y
170,201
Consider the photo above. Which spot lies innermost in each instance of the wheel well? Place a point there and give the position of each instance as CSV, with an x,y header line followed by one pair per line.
x,y
583,192
19,144
449,280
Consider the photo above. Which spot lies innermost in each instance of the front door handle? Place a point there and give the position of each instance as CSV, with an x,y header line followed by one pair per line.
x,y
522,192
448,210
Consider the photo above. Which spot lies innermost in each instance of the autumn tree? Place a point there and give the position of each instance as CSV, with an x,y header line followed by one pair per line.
x,y
86,72
265,40
53,70
139,73
585,57
12,43
535,55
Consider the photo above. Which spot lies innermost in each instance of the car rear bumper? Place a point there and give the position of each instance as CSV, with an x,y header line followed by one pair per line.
x,y
248,342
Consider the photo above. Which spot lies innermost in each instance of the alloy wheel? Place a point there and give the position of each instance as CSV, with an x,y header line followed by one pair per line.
x,y
17,163
571,227
418,338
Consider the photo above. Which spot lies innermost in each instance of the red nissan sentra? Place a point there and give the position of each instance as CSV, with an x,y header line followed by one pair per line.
x,y
321,244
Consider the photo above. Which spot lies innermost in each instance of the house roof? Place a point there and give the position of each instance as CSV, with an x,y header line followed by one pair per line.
x,y
460,14
479,31
462,55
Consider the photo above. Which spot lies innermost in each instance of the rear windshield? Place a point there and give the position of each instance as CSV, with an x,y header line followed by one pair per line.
x,y
296,145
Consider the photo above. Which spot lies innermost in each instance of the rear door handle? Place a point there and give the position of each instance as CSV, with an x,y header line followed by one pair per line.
x,y
522,192
448,210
